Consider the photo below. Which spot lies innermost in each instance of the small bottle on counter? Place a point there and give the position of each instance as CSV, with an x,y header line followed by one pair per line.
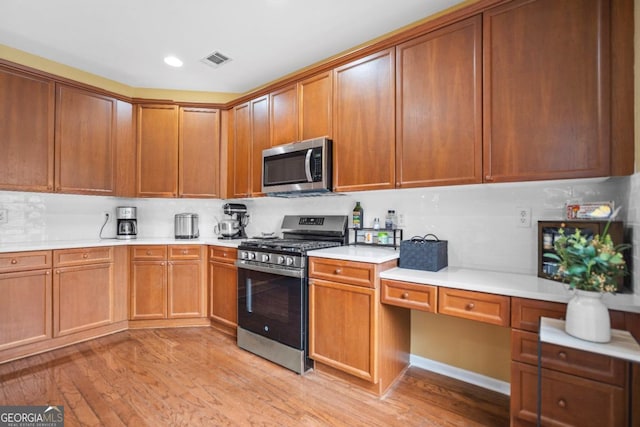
x,y
358,216
390,220
376,223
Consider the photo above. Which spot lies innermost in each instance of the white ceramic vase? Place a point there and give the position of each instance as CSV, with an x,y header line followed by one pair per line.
x,y
588,317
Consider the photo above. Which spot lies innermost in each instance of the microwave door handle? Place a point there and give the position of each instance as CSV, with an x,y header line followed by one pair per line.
x,y
307,165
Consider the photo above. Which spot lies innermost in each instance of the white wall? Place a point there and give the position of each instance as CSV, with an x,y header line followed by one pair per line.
x,y
478,221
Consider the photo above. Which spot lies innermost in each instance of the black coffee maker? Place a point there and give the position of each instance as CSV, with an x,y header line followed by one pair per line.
x,y
127,223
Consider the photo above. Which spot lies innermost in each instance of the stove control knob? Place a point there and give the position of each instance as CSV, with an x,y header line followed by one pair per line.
x,y
264,258
289,260
243,255
280,259
251,255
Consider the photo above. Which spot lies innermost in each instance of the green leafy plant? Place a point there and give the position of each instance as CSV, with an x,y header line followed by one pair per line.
x,y
589,263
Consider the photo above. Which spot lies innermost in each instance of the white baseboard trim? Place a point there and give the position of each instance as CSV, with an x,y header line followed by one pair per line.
x,y
461,374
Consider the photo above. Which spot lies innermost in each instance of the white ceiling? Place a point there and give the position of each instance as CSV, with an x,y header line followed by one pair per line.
x,y
126,40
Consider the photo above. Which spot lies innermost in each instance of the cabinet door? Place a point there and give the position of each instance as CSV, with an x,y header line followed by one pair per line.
x,y
546,90
185,290
157,141
364,119
439,107
25,308
82,298
316,106
342,327
260,139
148,290
199,143
240,163
27,131
283,106
567,400
85,142
223,293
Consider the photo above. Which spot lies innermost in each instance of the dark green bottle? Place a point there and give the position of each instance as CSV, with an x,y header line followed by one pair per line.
x,y
358,216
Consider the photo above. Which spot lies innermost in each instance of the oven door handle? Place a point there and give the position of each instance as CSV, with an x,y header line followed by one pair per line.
x,y
299,274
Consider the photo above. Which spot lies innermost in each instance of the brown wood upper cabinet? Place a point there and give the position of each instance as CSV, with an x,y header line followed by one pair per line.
x,y
157,141
85,142
260,139
547,82
178,151
315,106
27,132
250,135
364,120
283,113
303,110
199,155
439,107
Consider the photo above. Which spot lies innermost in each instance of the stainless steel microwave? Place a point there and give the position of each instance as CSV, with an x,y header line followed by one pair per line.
x,y
297,169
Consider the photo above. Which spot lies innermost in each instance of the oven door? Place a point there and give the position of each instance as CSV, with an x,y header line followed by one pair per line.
x,y
272,305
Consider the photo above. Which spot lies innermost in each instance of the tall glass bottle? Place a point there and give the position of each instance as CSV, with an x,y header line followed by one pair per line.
x,y
358,216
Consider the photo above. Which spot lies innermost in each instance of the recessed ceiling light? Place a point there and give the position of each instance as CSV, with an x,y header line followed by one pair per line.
x,y
173,61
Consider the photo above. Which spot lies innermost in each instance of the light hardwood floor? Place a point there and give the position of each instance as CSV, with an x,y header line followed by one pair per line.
x,y
199,377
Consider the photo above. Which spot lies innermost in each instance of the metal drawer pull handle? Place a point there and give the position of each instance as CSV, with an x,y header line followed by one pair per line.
x,y
404,295
184,252
562,355
85,256
470,306
148,252
338,271
562,403
14,261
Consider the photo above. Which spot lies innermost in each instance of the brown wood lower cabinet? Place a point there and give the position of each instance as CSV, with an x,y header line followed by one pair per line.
x,y
167,283
83,289
223,288
567,400
578,388
350,332
25,305
55,298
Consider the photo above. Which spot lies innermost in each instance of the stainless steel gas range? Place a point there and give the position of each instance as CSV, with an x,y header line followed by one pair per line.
x,y
272,288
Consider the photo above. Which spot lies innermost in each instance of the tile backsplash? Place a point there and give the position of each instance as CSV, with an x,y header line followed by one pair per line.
x,y
480,222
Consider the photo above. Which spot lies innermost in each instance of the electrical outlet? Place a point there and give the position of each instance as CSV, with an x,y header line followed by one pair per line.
x,y
401,220
524,216
4,216
106,216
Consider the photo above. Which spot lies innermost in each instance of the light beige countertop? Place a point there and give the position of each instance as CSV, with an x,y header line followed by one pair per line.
x,y
361,253
90,243
494,282
509,284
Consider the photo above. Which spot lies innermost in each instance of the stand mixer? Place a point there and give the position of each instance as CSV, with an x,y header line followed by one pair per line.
x,y
233,228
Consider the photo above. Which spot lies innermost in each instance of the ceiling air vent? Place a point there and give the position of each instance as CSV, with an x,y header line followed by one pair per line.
x,y
216,59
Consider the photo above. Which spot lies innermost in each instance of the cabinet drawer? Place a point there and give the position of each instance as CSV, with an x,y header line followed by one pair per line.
x,y
20,261
179,252
79,256
354,273
409,295
479,306
524,348
526,313
567,400
223,254
149,253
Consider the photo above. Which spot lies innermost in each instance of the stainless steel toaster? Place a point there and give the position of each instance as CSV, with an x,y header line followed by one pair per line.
x,y
186,226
